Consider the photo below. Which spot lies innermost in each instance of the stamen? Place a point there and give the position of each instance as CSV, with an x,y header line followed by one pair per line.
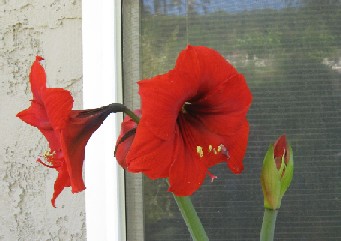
x,y
183,110
224,151
200,151
219,148
211,176
48,155
46,165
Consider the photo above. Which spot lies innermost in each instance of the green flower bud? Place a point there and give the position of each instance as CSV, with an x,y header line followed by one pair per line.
x,y
277,172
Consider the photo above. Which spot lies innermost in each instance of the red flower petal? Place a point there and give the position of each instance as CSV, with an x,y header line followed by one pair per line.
x,y
170,90
51,112
281,150
164,111
195,135
145,155
280,146
222,109
58,104
36,116
236,147
214,68
196,149
62,181
188,70
37,78
187,172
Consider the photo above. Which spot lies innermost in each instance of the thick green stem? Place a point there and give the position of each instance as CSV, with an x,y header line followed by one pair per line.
x,y
191,218
268,226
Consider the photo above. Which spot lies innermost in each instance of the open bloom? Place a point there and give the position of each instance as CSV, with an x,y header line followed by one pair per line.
x,y
194,117
66,130
277,172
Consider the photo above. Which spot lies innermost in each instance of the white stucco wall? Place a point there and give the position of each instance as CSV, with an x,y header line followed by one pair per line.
x,y
52,29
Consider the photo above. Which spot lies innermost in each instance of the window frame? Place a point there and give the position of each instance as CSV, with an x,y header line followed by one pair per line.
x,y
102,85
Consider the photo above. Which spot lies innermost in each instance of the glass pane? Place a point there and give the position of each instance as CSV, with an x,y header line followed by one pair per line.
x,y
290,54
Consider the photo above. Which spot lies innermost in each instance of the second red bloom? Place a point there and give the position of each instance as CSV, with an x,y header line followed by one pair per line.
x,y
194,117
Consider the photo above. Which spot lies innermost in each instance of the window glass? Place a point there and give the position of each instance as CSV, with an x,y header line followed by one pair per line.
x,y
290,54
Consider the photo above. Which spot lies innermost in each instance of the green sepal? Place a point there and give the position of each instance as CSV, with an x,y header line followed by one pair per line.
x,y
270,180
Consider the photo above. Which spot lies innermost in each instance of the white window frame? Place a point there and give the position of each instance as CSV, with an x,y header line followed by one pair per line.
x,y
102,85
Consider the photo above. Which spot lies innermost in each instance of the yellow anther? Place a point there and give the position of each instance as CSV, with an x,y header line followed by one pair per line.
x,y
200,151
215,151
210,148
48,155
219,148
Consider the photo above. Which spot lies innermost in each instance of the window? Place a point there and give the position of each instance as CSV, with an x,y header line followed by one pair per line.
x,y
290,54
104,197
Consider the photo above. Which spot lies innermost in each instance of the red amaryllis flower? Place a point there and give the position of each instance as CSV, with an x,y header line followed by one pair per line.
x,y
66,130
125,139
194,117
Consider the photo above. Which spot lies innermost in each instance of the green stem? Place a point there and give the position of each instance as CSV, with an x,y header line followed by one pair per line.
x,y
191,218
268,226
132,115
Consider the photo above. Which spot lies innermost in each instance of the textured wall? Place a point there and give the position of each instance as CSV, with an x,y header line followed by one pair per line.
x,y
51,28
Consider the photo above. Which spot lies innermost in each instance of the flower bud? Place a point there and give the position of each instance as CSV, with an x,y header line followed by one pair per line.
x,y
126,138
277,172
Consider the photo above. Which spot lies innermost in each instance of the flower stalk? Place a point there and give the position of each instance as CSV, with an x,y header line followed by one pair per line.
x,y
268,227
191,218
132,115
